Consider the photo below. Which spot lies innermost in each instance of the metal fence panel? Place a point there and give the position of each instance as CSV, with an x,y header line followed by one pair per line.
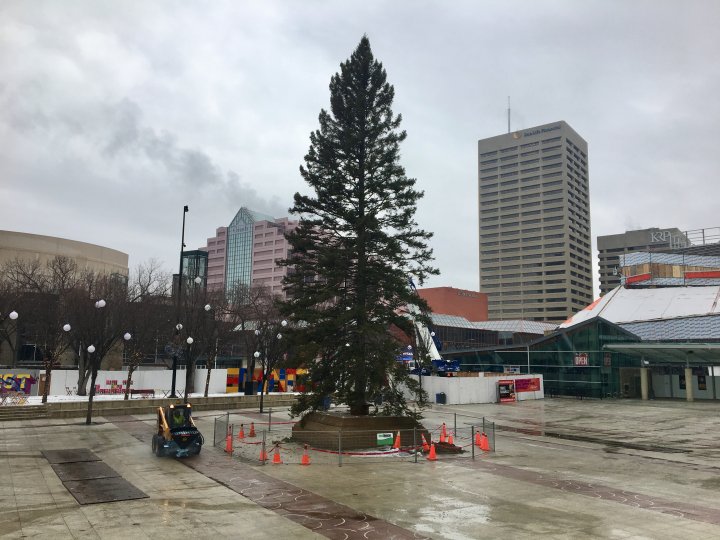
x,y
262,443
220,429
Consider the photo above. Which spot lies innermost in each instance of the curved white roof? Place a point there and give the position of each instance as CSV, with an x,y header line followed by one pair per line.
x,y
623,305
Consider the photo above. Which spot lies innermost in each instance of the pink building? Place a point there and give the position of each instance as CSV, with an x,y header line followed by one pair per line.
x,y
270,246
217,250
247,252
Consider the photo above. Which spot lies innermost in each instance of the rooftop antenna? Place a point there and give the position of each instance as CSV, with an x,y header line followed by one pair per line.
x,y
508,114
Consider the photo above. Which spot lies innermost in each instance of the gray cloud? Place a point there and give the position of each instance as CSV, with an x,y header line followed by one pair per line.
x,y
114,115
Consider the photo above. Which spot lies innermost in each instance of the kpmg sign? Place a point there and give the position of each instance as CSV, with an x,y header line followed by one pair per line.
x,y
660,236
675,240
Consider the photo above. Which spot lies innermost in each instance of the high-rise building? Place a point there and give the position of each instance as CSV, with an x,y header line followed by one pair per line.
x,y
247,252
240,233
535,223
216,249
269,247
611,246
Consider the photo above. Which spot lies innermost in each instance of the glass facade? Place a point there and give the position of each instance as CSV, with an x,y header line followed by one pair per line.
x,y
238,262
454,338
572,362
195,264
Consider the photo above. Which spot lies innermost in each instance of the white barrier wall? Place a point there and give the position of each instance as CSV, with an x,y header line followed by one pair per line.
x,y
158,380
464,390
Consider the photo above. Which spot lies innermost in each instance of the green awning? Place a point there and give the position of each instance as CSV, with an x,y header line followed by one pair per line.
x,y
671,353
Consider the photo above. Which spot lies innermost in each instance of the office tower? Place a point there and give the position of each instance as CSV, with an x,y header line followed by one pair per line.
x,y
217,249
611,246
248,250
269,247
240,233
535,223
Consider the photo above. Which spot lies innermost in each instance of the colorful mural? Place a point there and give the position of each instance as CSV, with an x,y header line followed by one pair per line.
x,y
280,380
21,381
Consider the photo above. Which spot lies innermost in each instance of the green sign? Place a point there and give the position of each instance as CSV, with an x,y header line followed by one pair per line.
x,y
384,439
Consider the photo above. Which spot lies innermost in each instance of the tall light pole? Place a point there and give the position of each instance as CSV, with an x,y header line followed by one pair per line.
x,y
13,315
94,365
249,386
178,326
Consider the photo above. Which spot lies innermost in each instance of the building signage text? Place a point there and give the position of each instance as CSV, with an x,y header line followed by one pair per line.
x,y
581,359
541,130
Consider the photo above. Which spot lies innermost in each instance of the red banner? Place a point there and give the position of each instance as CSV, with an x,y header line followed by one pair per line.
x,y
710,274
527,385
637,278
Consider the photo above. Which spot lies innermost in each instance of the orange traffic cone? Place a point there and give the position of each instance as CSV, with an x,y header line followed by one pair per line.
x,y
431,455
443,433
425,445
241,433
228,444
252,429
305,458
450,440
396,444
263,454
484,444
276,456
478,441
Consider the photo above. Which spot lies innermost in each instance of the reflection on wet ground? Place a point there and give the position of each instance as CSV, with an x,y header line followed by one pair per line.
x,y
563,469
311,510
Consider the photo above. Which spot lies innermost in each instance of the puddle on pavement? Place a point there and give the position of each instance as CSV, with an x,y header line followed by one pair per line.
x,y
592,439
443,513
185,504
711,483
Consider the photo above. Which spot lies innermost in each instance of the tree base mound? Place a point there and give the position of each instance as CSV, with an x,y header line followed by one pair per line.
x,y
333,431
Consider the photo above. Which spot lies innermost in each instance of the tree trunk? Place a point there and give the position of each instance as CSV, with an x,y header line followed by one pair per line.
x,y
48,380
83,372
131,370
207,380
88,420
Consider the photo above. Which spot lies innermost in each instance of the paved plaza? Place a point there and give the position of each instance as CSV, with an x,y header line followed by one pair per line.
x,y
563,469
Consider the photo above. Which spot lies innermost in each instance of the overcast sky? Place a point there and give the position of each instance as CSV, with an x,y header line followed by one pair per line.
x,y
113,115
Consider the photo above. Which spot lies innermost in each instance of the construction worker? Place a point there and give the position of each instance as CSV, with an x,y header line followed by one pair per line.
x,y
178,418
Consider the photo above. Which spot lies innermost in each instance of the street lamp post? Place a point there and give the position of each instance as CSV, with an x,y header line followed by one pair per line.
x,y
13,315
189,360
263,336
95,363
189,342
178,326
249,386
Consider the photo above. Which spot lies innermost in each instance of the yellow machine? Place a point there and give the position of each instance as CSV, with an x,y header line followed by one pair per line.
x,y
176,434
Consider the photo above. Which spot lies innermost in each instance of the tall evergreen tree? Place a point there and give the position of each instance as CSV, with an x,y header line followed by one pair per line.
x,y
357,244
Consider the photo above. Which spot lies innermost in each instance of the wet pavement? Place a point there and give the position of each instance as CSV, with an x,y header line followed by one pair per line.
x,y
562,469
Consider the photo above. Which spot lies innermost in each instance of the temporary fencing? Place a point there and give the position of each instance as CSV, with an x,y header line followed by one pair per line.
x,y
476,424
277,443
220,429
